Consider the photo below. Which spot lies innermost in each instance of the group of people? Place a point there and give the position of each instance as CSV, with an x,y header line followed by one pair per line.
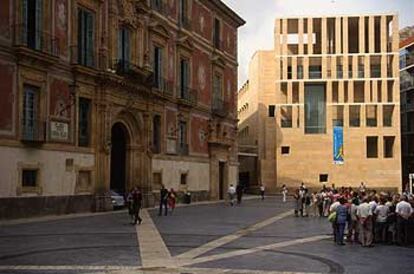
x,y
237,193
368,216
168,200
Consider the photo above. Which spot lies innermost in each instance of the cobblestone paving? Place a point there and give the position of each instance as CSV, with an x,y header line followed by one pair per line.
x,y
255,237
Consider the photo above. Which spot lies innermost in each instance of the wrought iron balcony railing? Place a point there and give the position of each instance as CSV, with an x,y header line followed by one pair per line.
x,y
182,149
220,107
160,7
36,39
32,130
162,86
185,22
187,95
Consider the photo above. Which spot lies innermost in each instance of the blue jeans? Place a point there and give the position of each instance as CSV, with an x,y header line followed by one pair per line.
x,y
340,228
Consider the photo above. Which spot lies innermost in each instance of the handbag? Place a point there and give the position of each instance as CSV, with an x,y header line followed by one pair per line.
x,y
332,217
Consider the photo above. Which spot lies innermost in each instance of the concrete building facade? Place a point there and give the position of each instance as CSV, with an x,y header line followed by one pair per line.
x,y
323,107
111,94
407,107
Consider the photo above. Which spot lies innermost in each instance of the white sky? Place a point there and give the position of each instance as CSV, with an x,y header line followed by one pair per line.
x,y
257,34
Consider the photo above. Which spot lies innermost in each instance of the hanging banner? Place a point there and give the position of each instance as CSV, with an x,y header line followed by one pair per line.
x,y
338,145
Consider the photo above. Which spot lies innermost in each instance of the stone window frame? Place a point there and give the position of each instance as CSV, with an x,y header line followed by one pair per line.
x,y
26,190
87,190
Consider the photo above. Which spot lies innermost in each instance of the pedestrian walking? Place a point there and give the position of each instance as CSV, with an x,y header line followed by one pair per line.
x,y
284,193
298,203
136,205
262,191
231,192
172,199
163,201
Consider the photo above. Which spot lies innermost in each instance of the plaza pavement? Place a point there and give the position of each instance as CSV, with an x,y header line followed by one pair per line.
x,y
254,237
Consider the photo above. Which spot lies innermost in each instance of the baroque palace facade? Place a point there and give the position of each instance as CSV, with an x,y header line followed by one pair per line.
x,y
100,95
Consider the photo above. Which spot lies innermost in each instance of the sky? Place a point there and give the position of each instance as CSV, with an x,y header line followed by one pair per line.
x,y
257,33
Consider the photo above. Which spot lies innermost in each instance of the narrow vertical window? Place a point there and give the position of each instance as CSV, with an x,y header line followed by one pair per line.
x,y
86,38
372,147
158,68
31,32
124,52
30,122
315,109
389,147
184,78
84,122
216,36
156,134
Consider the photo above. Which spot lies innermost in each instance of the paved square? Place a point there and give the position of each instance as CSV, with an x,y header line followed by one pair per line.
x,y
255,237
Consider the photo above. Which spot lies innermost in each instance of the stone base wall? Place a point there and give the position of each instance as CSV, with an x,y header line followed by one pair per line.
x,y
24,207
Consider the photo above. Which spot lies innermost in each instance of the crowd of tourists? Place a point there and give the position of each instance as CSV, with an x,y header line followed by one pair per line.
x,y
368,216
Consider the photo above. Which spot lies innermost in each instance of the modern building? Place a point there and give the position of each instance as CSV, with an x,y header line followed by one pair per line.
x,y
323,107
111,94
407,106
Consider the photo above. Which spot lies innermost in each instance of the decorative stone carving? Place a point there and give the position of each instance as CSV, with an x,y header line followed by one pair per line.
x,y
126,10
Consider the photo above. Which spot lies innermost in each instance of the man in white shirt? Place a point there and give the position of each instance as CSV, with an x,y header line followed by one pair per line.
x,y
231,191
381,212
404,211
364,214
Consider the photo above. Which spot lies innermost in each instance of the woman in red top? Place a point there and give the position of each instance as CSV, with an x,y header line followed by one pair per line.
x,y
172,198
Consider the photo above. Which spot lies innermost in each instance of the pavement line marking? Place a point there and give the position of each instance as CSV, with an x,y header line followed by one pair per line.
x,y
193,253
236,253
153,251
139,270
196,270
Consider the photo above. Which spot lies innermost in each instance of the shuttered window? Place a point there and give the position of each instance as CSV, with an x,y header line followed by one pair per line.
x,y
86,38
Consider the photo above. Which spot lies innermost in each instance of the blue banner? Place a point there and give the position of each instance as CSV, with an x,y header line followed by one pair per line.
x,y
338,145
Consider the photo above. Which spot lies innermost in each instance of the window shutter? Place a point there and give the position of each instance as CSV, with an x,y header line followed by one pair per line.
x,y
24,22
81,37
39,24
90,40
186,78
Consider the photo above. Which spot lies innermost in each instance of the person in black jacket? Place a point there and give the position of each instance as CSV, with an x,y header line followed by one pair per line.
x,y
163,201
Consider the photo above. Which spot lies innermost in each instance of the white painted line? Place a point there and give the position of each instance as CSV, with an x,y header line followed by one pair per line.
x,y
253,250
193,253
153,251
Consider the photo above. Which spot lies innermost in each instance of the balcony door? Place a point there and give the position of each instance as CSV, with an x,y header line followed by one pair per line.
x,y
30,112
124,52
31,23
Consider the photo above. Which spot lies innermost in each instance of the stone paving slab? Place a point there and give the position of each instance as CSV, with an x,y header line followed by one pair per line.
x,y
191,227
93,240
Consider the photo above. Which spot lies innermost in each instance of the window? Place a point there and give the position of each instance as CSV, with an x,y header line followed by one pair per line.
x,y
271,111
285,150
30,123
371,114
339,71
86,41
337,116
183,13
315,109
286,116
32,23
156,134
184,78
84,122
158,67
354,116
124,53
389,147
315,72
29,178
387,115
300,72
372,147
183,179
216,34
323,178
